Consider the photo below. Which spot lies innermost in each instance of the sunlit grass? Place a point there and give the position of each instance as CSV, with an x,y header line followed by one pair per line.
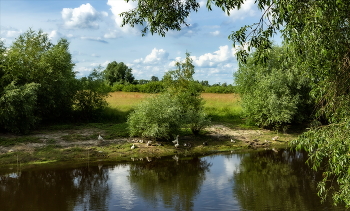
x,y
125,101
220,107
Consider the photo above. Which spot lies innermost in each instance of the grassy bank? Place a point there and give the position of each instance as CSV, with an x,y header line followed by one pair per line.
x,y
78,142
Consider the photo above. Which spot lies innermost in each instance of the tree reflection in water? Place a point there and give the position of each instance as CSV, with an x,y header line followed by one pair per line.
x,y
175,183
268,180
56,189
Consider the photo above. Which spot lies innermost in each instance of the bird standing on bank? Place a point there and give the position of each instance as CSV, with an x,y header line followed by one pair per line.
x,y
100,137
133,146
176,141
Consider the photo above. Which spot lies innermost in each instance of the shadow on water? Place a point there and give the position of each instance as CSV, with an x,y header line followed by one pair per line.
x,y
264,180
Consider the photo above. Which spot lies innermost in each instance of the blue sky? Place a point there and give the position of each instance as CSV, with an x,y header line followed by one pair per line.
x,y
96,38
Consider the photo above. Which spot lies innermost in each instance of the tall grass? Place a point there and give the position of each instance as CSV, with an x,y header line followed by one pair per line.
x,y
220,107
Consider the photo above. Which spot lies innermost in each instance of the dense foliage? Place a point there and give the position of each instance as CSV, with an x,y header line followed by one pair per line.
x,y
162,116
37,83
89,101
118,73
276,93
317,35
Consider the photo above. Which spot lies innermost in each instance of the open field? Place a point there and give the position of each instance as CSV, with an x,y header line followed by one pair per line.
x,y
220,107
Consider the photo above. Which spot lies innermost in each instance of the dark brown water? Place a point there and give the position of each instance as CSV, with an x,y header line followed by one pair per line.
x,y
253,181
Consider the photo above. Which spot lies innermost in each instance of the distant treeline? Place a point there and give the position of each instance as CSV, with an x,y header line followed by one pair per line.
x,y
147,86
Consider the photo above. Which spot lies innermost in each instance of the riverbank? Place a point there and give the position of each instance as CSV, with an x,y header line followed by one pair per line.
x,y
45,146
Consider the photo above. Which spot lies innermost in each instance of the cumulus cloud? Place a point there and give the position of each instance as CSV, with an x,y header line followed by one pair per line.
x,y
119,6
157,56
224,54
248,9
83,17
9,32
112,34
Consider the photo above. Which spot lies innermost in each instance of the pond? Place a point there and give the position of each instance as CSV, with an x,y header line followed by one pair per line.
x,y
259,180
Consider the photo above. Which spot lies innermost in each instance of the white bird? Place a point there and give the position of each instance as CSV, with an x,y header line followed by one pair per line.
x,y
177,145
149,143
233,141
275,138
176,141
141,141
133,146
100,137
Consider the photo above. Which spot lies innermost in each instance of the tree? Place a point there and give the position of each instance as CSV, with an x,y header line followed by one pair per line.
x,y
162,116
276,93
181,85
118,73
154,78
90,100
317,33
32,58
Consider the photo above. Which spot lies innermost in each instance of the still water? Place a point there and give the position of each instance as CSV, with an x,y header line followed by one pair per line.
x,y
263,180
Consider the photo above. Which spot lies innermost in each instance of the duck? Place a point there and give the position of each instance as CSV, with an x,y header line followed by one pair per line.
x,y
177,145
233,141
100,137
133,146
149,143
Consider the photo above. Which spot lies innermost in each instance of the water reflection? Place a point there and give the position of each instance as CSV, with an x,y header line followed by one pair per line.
x,y
59,189
280,180
173,183
264,180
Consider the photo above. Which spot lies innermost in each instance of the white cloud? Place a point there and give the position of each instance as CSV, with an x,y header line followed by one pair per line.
x,y
248,9
9,32
215,33
224,54
119,6
156,56
112,34
83,17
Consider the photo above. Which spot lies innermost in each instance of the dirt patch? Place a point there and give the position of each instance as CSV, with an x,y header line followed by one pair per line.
x,y
217,134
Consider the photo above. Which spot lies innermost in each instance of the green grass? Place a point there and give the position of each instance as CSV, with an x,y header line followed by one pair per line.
x,y
13,141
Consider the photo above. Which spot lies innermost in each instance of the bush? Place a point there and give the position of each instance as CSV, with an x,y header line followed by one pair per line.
x,y
130,88
90,100
152,87
274,94
17,105
117,87
156,117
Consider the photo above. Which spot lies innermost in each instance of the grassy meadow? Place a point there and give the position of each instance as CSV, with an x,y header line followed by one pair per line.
x,y
220,107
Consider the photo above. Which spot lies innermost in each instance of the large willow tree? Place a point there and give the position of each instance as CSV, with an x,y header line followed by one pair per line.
x,y
317,33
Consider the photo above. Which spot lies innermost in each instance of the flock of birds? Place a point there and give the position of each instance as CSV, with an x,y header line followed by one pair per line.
x,y
176,142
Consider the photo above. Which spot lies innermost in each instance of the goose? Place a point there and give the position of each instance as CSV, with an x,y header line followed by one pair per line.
x,y
177,145
100,137
133,146
176,141
275,138
149,143
233,141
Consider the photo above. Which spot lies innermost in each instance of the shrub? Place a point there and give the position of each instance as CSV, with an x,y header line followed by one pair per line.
x,y
274,94
156,117
17,105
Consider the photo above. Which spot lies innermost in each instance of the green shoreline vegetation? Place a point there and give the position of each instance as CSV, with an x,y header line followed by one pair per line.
x,y
117,143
